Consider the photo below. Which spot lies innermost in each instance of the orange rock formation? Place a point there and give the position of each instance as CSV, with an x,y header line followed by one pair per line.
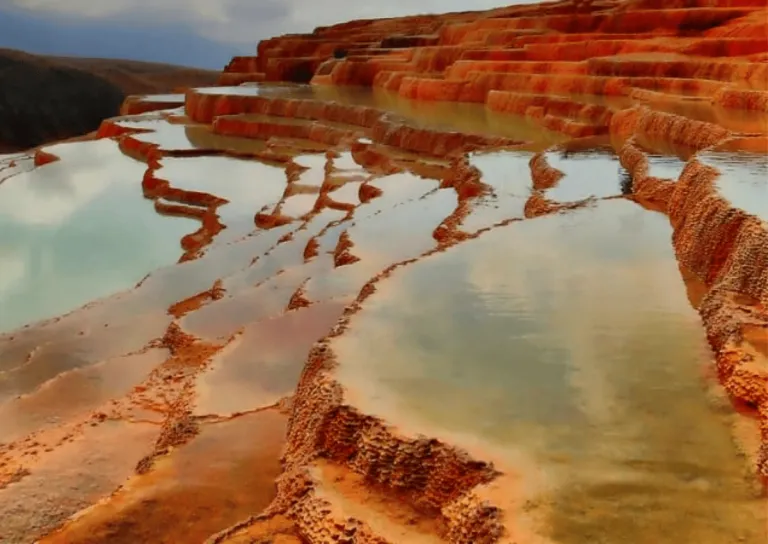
x,y
650,75
640,77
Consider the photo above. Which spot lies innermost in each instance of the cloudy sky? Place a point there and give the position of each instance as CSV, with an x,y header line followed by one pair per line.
x,y
244,21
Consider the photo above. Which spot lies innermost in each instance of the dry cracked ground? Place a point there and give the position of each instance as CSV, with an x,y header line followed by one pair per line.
x,y
377,309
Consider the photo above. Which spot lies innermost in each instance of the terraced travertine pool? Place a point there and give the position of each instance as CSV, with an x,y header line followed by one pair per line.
x,y
566,342
563,349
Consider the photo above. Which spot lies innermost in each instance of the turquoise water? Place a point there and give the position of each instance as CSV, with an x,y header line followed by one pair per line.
x,y
78,229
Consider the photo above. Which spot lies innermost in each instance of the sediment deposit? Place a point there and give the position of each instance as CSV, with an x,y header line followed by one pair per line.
x,y
326,169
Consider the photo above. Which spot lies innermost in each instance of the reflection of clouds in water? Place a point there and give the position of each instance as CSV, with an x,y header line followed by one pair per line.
x,y
591,299
82,229
576,306
506,172
12,270
50,195
743,180
247,185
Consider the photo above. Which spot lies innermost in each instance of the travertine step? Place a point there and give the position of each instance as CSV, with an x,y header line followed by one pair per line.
x,y
359,71
340,506
521,103
392,80
583,37
679,4
378,52
741,99
478,84
263,127
493,53
571,127
461,69
668,65
436,59
204,107
295,69
328,123
631,21
587,48
563,115
399,41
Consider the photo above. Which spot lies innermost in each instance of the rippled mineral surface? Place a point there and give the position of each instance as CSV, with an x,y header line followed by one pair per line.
x,y
472,278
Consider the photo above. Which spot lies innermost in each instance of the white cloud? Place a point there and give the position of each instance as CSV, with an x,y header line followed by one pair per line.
x,y
48,196
13,268
249,20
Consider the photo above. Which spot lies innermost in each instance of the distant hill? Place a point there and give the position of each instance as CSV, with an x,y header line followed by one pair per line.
x,y
44,99
48,34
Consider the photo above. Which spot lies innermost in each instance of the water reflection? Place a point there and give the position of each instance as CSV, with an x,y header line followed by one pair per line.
x,y
509,176
247,185
665,166
743,179
78,229
570,338
594,173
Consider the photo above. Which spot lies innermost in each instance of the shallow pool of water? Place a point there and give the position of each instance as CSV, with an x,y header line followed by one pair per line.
x,y
567,341
248,185
179,137
743,179
170,98
78,229
263,365
665,166
286,91
216,480
587,174
509,176
347,193
403,232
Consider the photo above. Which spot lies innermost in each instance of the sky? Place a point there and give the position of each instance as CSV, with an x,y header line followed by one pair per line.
x,y
233,25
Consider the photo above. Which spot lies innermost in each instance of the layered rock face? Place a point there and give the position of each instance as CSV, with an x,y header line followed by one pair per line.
x,y
433,293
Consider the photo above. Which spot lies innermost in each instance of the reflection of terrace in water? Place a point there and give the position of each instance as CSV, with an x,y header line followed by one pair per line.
x,y
248,186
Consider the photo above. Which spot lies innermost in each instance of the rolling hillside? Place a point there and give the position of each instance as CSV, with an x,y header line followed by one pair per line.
x,y
45,98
